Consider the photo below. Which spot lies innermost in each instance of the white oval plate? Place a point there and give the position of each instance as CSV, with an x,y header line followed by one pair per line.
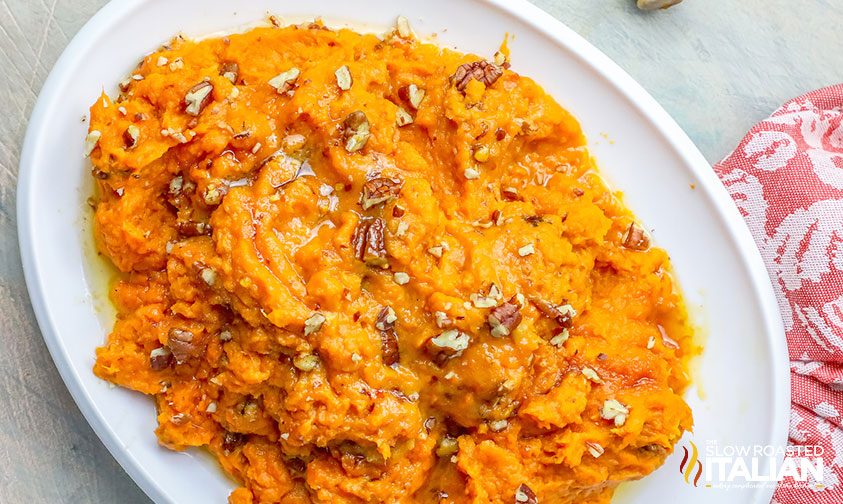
x,y
742,381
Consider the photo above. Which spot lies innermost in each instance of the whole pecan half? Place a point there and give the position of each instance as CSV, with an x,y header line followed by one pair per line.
x,y
505,318
483,71
379,190
389,338
368,241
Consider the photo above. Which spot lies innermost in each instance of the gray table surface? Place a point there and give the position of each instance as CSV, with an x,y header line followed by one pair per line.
x,y
718,66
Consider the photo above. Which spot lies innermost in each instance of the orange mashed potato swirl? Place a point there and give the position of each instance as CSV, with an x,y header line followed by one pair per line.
x,y
375,270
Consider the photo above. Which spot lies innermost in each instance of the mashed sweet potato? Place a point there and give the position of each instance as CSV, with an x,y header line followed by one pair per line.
x,y
363,269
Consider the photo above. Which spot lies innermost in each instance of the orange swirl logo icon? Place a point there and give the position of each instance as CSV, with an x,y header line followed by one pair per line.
x,y
691,464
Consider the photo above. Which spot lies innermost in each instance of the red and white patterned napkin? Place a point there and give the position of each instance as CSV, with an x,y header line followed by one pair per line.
x,y
786,177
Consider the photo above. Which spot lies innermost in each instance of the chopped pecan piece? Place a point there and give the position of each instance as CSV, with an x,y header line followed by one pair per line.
x,y
214,193
545,307
314,323
232,440
180,418
505,318
131,136
231,71
193,228
534,220
595,449
386,319
285,81
402,117
402,25
389,347
482,153
442,320
562,314
368,241
248,408
559,337
498,425
510,194
344,79
447,447
160,359
527,250
471,174
500,58
178,190
91,142
653,449
284,169
198,98
389,338
615,411
412,94
483,71
449,344
591,374
379,190
636,238
306,362
667,340
181,344
356,131
525,495
208,275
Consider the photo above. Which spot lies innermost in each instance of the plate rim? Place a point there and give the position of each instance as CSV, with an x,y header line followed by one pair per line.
x,y
531,15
